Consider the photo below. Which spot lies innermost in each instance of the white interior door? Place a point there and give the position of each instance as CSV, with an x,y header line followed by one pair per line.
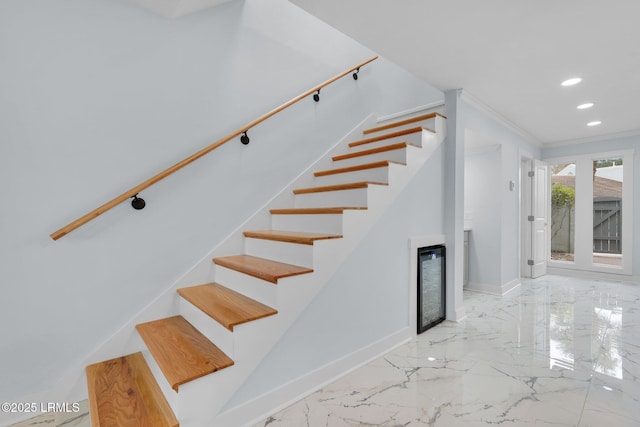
x,y
539,219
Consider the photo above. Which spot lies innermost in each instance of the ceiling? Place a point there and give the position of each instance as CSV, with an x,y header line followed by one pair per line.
x,y
512,55
177,8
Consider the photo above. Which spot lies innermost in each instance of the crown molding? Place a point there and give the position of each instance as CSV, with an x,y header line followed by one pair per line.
x,y
598,138
480,105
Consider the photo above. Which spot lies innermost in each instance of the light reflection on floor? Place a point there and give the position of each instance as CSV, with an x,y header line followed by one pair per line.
x,y
556,351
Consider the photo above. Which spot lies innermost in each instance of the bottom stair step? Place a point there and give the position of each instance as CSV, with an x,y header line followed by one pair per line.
x,y
124,393
181,351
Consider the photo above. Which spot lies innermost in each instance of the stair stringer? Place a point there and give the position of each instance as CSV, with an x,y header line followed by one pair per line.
x,y
202,402
126,340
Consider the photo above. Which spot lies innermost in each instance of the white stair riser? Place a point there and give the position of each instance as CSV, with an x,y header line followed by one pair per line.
x,y
316,223
253,287
199,397
356,197
412,138
163,383
294,293
429,124
398,155
201,400
377,175
209,327
289,253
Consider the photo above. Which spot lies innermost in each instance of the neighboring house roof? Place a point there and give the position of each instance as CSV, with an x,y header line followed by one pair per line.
x,y
569,170
610,172
602,187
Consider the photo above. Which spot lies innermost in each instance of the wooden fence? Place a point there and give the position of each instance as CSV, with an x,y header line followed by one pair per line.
x,y
607,225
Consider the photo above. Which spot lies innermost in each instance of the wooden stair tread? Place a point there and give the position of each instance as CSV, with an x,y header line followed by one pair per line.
x,y
261,268
314,211
124,393
224,305
391,147
181,351
374,165
337,187
388,135
290,236
402,122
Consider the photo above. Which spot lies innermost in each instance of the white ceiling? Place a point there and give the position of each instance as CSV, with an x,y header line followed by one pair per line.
x,y
512,55
177,8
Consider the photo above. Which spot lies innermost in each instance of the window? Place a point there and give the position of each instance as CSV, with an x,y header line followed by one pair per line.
x,y
563,211
607,211
590,222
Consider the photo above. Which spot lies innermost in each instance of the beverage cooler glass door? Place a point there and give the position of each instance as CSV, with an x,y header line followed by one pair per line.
x,y
431,287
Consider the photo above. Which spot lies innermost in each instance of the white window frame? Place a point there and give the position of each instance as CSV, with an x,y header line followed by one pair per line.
x,y
583,256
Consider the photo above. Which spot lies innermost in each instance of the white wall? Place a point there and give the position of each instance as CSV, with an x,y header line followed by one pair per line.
x,y
487,130
483,174
608,145
98,96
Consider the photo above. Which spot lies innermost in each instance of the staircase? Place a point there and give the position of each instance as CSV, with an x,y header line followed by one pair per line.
x,y
194,361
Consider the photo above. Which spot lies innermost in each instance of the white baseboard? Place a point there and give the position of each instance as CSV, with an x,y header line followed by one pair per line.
x,y
493,289
558,271
484,288
461,314
511,285
252,412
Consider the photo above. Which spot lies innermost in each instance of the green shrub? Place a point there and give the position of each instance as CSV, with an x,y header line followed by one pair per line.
x,y
561,195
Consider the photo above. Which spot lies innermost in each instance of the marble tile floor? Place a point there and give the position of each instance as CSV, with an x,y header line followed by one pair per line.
x,y
555,351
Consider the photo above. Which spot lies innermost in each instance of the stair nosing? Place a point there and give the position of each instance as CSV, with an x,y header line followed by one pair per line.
x,y
364,166
388,136
403,122
337,187
300,239
316,211
206,309
272,278
367,152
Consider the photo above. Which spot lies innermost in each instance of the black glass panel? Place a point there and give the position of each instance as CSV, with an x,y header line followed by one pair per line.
x,y
431,287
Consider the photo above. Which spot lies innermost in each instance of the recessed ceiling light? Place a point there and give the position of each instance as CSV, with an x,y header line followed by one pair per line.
x,y
585,106
572,81
594,123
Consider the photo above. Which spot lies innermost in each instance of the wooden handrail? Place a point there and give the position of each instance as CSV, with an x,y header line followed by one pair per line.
x,y
149,182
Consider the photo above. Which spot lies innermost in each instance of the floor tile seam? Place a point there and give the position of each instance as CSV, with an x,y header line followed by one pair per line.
x,y
597,405
620,414
544,382
596,358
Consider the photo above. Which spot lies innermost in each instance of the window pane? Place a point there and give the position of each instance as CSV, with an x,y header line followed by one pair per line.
x,y
563,214
607,211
